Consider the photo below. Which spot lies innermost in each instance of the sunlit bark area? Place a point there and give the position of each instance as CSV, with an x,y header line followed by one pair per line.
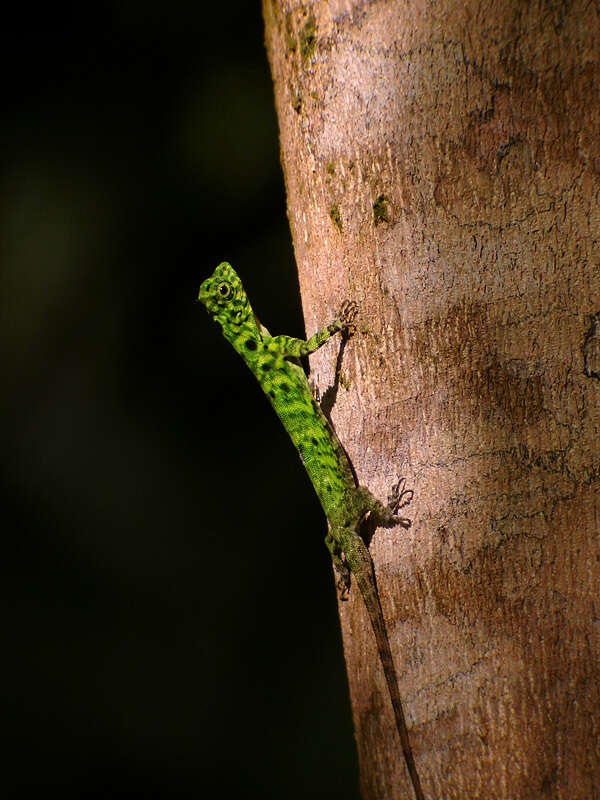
x,y
441,162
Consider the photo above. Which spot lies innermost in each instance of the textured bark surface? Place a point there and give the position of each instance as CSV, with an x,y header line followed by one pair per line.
x,y
442,168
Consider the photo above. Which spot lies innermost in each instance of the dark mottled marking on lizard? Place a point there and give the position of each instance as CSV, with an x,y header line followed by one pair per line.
x,y
274,362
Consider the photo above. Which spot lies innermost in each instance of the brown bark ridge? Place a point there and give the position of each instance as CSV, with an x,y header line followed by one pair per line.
x,y
442,167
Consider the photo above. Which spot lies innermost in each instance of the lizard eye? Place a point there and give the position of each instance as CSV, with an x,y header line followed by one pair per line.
x,y
225,290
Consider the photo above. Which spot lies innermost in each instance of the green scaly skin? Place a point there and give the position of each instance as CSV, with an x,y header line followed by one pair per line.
x,y
274,362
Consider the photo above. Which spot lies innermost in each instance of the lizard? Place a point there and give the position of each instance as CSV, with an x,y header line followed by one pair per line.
x,y
275,362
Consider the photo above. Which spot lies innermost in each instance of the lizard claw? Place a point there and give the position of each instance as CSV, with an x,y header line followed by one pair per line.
x,y
399,496
314,388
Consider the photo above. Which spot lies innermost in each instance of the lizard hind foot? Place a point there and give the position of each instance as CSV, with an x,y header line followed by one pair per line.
x,y
344,589
342,570
399,497
343,579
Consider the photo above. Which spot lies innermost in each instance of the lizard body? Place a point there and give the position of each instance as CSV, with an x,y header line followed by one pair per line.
x,y
274,360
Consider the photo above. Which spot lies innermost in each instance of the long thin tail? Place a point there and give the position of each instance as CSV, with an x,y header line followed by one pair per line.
x,y
361,566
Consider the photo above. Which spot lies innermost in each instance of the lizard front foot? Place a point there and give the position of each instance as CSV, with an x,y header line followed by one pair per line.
x,y
347,317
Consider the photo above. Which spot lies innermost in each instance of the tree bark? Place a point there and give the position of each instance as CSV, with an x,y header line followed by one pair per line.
x,y
441,163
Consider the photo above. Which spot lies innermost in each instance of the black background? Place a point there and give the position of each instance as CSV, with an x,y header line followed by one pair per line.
x,y
170,624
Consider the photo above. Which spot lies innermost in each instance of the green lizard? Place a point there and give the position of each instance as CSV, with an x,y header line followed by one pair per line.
x,y
274,362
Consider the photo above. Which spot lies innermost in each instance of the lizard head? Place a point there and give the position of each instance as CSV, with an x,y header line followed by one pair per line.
x,y
224,297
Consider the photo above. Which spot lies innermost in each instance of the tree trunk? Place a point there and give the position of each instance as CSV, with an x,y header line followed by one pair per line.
x,y
441,163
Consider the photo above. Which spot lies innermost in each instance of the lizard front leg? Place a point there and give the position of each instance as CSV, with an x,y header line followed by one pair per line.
x,y
344,322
